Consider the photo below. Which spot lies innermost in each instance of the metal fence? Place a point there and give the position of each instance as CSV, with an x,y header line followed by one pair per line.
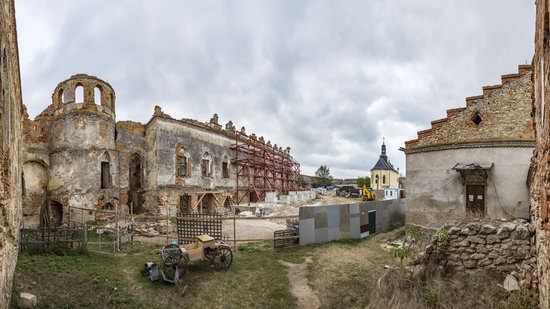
x,y
54,239
193,224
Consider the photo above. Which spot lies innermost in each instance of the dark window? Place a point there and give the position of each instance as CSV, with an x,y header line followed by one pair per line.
x,y
108,207
477,119
182,167
225,170
105,175
384,179
23,184
185,203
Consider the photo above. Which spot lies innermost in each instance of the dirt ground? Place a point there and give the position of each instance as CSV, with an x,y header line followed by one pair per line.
x,y
263,229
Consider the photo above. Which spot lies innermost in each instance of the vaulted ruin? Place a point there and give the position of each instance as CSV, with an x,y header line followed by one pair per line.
x,y
79,158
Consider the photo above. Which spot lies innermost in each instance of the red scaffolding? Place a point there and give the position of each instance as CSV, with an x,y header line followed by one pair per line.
x,y
262,168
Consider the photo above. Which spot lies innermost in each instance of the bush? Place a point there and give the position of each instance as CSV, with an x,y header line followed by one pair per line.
x,y
443,237
401,252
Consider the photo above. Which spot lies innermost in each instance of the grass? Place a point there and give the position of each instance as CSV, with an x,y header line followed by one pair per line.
x,y
342,274
254,280
432,289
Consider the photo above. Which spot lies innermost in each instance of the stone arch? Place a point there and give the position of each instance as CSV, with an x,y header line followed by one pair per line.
x,y
112,102
79,93
60,94
34,181
105,170
183,162
98,95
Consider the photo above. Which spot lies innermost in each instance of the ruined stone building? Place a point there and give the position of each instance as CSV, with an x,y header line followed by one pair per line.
x,y
78,156
474,162
10,149
539,173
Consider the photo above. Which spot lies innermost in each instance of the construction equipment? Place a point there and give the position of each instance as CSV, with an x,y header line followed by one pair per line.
x,y
368,195
176,259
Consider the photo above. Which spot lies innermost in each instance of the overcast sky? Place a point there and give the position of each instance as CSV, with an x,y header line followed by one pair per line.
x,y
327,78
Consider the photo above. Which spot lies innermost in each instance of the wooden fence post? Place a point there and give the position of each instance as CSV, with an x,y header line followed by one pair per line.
x,y
85,240
234,230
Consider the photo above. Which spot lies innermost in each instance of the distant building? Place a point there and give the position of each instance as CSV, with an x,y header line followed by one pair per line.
x,y
383,174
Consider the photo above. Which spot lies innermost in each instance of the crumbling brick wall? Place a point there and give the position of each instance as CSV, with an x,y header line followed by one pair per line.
x,y
539,174
10,149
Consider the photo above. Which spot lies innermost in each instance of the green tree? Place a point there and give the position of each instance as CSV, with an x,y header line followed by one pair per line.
x,y
363,181
323,173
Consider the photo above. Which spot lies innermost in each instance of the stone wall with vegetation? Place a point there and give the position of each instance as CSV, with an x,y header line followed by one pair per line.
x,y
503,246
10,149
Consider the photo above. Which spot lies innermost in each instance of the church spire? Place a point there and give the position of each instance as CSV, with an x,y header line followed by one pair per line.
x,y
383,148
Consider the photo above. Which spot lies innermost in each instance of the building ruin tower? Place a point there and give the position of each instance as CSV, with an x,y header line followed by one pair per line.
x,y
82,151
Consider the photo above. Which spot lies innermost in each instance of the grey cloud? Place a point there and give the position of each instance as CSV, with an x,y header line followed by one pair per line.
x,y
327,78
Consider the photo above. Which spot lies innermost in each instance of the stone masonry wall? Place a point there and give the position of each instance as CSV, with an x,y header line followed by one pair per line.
x,y
504,111
10,149
539,174
507,247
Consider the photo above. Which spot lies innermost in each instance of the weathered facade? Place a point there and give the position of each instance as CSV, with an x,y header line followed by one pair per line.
x,y
79,159
539,174
10,149
474,162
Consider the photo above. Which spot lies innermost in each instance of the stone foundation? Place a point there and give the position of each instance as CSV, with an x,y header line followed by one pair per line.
x,y
507,247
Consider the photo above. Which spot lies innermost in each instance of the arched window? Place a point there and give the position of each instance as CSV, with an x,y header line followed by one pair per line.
x,y
384,179
205,165
79,94
60,96
225,167
183,168
98,95
105,171
112,102
376,178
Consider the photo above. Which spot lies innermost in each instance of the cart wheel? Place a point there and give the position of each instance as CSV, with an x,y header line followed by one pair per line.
x,y
225,257
171,258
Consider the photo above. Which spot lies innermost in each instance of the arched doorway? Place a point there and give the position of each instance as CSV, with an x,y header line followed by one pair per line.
x,y
135,193
34,182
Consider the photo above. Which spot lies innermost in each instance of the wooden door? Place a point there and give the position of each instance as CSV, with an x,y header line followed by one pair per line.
x,y
475,199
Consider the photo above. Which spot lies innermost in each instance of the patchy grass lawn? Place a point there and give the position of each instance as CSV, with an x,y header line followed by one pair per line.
x,y
343,274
